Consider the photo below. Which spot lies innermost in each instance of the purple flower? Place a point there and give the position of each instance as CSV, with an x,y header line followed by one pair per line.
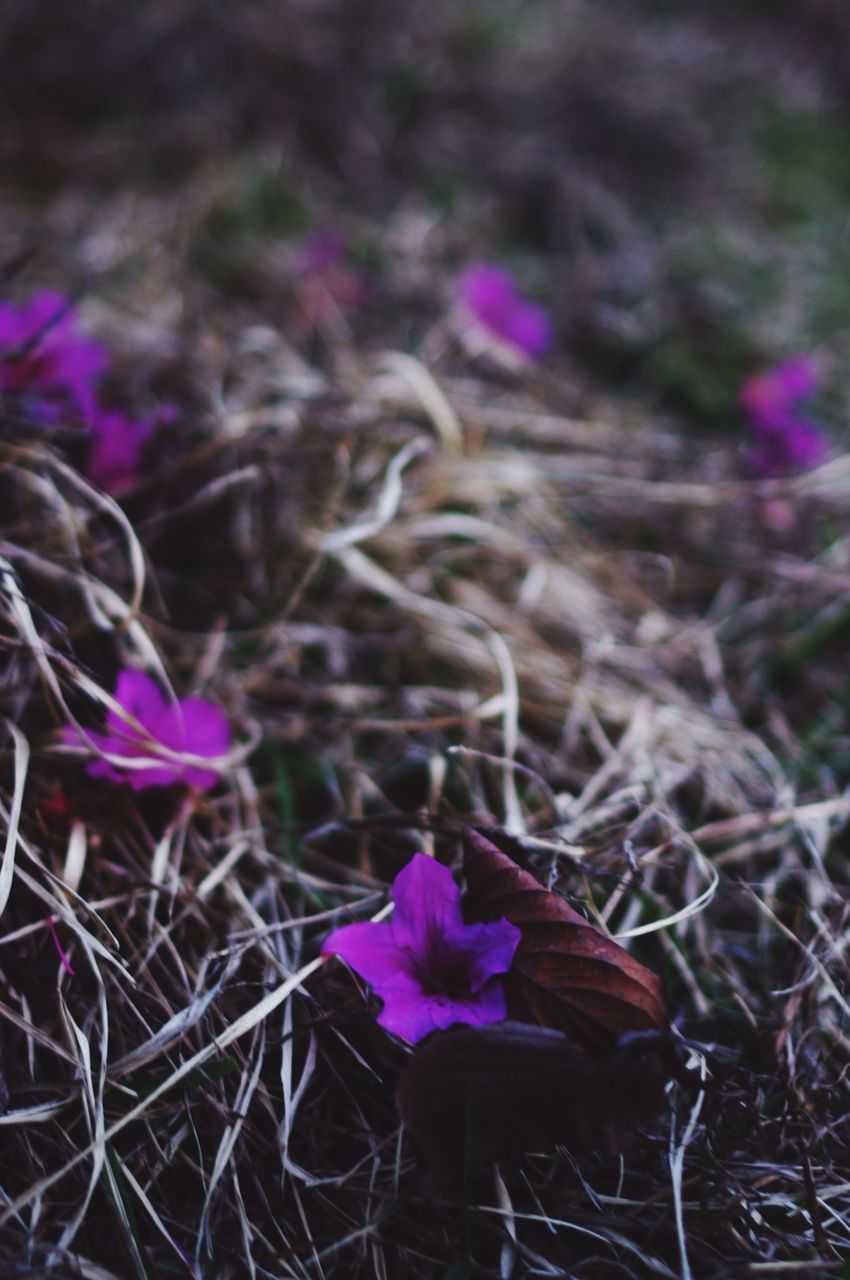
x,y
489,295
429,968
115,449
785,441
191,725
43,357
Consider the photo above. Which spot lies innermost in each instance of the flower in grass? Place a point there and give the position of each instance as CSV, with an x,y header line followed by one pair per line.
x,y
490,298
46,360
430,969
785,441
191,725
115,449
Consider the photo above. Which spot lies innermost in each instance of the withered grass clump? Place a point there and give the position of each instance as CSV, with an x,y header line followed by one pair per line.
x,y
428,590
393,586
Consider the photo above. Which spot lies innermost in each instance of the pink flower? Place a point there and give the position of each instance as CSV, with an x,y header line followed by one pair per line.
x,y
785,441
489,295
115,450
43,357
192,726
430,969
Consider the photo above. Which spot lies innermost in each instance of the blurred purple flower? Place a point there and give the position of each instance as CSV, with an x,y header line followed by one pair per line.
x,y
785,441
190,725
490,296
430,969
43,357
115,449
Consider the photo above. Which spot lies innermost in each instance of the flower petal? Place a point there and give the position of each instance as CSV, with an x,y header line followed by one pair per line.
x,y
116,448
795,379
197,727
371,951
100,768
143,699
489,294
41,352
487,1006
410,1014
483,950
529,330
427,902
407,1012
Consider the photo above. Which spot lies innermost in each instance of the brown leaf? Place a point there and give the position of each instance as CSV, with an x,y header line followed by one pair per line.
x,y
566,973
473,1095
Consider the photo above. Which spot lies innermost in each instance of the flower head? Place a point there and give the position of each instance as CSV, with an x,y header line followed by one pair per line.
x,y
430,969
785,441
43,357
191,725
490,297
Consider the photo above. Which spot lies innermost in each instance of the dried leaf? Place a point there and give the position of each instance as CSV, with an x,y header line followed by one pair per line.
x,y
566,973
473,1095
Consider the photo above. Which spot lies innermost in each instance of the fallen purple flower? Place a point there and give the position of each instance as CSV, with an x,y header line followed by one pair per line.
x,y
45,359
785,441
490,297
430,969
191,725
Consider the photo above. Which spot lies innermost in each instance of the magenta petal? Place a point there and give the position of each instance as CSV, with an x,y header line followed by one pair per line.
x,y
100,768
42,354
199,728
155,775
529,330
407,1012
488,1006
195,726
105,771
116,450
194,776
804,445
482,950
371,951
489,293
410,1014
785,441
427,903
142,698
164,775
137,779
794,379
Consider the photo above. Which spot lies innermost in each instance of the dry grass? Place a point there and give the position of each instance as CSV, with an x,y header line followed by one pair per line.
x,y
427,589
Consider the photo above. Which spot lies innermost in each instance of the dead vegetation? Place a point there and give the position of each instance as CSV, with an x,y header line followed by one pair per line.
x,y
428,590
